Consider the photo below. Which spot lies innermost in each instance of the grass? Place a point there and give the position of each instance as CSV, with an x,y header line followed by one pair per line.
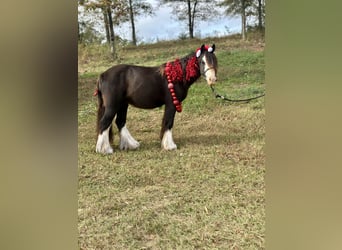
x,y
210,192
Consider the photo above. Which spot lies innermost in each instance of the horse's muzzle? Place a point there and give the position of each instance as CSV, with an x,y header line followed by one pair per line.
x,y
211,80
210,76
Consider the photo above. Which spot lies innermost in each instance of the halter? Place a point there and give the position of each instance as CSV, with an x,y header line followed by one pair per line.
x,y
205,71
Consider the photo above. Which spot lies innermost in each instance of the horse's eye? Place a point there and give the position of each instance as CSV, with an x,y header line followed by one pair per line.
x,y
202,62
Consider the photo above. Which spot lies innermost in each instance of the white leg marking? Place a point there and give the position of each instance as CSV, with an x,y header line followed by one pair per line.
x,y
167,141
127,141
102,145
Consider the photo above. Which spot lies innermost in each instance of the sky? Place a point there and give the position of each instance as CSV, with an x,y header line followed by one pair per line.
x,y
162,26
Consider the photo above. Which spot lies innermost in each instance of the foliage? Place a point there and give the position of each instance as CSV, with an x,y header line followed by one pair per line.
x,y
245,9
191,10
121,11
201,9
119,8
235,7
183,36
142,8
208,194
88,35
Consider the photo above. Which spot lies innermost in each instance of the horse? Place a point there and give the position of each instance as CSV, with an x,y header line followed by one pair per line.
x,y
147,88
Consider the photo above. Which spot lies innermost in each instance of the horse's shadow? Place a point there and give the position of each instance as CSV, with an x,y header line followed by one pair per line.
x,y
189,141
206,140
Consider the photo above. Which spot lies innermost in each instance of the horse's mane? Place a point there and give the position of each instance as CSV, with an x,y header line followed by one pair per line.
x,y
186,58
184,61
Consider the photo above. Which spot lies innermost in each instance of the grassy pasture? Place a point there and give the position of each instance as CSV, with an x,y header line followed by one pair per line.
x,y
210,192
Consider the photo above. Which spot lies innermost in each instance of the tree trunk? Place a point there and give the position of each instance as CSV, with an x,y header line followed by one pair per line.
x,y
131,14
259,15
105,18
193,19
191,31
79,34
243,29
111,30
243,19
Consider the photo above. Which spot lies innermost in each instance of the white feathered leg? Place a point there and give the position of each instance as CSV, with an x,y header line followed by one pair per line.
x,y
126,140
103,145
167,141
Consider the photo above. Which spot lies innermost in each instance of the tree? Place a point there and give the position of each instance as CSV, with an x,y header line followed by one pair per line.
x,y
192,10
107,7
238,7
246,8
115,12
87,34
261,14
137,8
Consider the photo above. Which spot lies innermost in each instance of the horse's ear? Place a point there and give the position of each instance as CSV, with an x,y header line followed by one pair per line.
x,y
213,48
200,50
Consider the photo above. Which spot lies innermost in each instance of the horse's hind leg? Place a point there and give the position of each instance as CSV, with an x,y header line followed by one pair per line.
x,y
104,131
126,139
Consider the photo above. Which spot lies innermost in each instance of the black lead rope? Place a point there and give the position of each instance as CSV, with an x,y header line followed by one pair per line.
x,y
230,100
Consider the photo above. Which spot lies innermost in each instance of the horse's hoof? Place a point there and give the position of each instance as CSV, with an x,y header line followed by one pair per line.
x,y
167,141
102,144
104,150
132,145
127,141
170,147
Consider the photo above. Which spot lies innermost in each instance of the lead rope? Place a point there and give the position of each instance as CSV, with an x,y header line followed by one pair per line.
x,y
230,100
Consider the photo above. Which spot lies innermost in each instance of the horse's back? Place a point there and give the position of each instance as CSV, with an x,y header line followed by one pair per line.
x,y
131,73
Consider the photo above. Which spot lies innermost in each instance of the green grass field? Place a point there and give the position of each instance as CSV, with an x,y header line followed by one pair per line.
x,y
207,194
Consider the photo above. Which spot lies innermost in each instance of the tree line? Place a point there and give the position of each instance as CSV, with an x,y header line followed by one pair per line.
x,y
115,12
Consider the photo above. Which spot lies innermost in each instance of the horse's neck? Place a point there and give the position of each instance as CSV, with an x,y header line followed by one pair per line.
x,y
191,69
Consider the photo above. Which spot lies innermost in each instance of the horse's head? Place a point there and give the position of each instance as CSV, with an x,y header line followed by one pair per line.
x,y
208,63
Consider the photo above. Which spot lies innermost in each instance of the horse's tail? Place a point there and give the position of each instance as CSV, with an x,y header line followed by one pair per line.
x,y
101,108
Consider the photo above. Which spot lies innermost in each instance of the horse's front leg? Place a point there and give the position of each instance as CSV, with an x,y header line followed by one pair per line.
x,y
167,142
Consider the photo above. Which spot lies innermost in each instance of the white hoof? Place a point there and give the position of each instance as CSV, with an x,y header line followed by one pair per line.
x,y
167,141
127,141
103,145
104,150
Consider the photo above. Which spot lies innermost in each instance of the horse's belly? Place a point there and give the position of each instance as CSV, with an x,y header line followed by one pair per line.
x,y
145,104
145,95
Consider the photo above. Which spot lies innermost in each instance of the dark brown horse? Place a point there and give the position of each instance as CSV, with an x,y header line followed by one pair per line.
x,y
148,88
